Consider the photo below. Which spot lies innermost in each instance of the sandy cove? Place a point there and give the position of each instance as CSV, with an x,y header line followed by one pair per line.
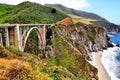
x,y
96,62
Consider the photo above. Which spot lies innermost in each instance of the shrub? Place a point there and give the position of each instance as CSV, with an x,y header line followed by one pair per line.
x,y
52,60
13,50
5,53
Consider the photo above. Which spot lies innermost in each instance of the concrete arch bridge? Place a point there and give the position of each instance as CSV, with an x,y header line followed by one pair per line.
x,y
16,35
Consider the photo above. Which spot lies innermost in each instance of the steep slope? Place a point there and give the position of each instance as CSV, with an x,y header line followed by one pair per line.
x,y
71,46
28,12
86,38
66,55
16,65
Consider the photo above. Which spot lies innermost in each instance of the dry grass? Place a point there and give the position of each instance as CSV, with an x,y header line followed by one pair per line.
x,y
6,66
9,62
81,19
29,67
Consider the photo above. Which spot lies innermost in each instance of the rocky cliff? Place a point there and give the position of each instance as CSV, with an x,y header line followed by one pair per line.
x,y
71,45
86,38
67,55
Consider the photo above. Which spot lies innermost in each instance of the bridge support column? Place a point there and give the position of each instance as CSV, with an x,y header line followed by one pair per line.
x,y
18,38
44,36
7,36
1,42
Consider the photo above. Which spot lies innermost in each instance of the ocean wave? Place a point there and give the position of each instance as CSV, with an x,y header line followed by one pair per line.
x,y
109,35
111,61
114,37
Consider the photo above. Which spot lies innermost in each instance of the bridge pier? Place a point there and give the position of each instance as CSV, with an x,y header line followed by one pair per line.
x,y
7,36
1,42
18,38
44,36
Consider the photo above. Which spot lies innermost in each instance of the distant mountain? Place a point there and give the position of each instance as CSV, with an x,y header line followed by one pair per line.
x,y
28,12
76,12
97,20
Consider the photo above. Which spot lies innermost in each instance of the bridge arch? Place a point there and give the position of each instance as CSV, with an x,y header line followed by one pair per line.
x,y
16,35
26,35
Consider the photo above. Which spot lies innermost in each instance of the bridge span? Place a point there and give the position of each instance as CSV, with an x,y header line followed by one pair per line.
x,y
16,35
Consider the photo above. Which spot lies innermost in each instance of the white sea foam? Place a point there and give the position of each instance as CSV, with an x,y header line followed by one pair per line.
x,y
111,61
110,35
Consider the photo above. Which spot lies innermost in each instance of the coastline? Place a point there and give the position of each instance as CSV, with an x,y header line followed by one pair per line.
x,y
96,62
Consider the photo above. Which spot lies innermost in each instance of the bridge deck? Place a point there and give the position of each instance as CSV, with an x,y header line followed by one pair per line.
x,y
12,25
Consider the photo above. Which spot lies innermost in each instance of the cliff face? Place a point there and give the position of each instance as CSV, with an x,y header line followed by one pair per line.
x,y
70,57
85,38
71,44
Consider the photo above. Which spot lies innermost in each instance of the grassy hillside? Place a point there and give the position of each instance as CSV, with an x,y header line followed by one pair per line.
x,y
81,19
67,65
28,12
16,65
70,58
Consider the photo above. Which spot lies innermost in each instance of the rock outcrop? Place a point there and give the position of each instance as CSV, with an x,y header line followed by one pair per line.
x,y
86,38
65,21
68,56
72,43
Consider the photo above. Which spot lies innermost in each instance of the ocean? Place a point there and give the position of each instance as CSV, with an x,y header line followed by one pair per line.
x,y
111,57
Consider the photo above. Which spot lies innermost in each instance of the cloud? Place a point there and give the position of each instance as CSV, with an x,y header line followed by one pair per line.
x,y
76,4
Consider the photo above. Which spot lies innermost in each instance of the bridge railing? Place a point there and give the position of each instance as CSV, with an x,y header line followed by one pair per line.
x,y
11,25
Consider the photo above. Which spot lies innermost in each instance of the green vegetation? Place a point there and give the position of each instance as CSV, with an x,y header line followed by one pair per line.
x,y
66,58
91,34
52,60
66,64
5,53
4,8
27,66
69,58
32,45
13,51
32,34
28,12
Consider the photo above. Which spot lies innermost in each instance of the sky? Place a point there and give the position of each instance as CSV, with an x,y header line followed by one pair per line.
x,y
109,9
